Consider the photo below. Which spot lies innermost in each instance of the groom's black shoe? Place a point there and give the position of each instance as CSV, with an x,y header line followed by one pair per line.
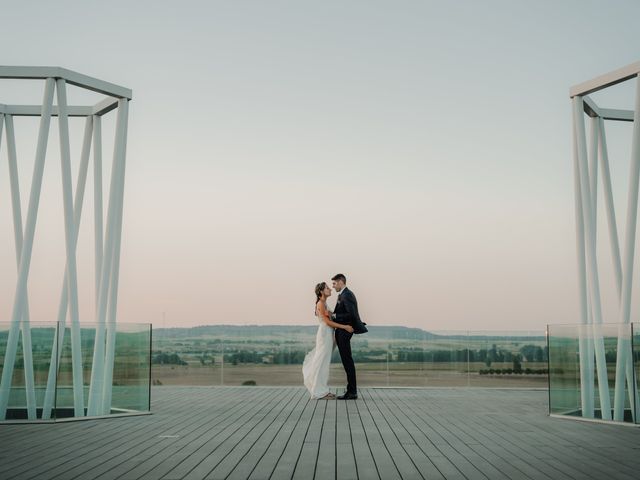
x,y
348,396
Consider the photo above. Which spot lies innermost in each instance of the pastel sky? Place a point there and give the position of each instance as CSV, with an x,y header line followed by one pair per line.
x,y
422,148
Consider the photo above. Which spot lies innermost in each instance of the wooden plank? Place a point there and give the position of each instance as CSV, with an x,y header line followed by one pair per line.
x,y
401,459
345,453
238,452
263,466
286,463
387,433
326,462
139,459
449,465
409,438
306,463
385,465
64,438
203,449
112,451
365,463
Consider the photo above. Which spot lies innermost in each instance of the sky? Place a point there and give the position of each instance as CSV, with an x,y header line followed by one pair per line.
x,y
422,148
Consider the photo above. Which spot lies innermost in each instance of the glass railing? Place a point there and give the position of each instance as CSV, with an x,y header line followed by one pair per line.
x,y
593,371
49,372
386,356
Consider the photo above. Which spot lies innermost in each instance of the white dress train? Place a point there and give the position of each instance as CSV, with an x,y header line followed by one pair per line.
x,y
315,368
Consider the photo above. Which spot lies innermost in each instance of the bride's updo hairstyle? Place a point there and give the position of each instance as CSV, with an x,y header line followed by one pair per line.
x,y
319,289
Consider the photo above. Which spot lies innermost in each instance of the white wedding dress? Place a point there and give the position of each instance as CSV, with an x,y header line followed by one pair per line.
x,y
315,368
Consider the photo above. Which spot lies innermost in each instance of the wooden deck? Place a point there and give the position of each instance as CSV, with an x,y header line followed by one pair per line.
x,y
260,433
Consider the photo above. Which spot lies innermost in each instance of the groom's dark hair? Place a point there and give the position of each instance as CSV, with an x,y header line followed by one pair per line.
x,y
338,277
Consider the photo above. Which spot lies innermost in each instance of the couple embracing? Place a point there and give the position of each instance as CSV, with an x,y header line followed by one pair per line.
x,y
335,328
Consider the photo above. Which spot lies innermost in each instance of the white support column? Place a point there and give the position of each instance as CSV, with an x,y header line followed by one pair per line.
x,y
18,236
593,169
97,202
607,190
72,274
121,152
623,360
63,304
27,247
592,265
97,389
595,331
615,244
586,373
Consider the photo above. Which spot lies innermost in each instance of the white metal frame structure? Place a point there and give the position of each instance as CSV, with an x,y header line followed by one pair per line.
x,y
107,240
588,156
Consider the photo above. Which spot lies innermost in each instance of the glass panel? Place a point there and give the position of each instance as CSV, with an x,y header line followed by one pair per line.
x,y
582,364
635,337
446,358
406,357
53,388
508,359
131,370
564,369
65,404
42,336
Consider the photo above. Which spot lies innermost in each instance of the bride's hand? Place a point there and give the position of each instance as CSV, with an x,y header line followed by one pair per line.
x,y
348,328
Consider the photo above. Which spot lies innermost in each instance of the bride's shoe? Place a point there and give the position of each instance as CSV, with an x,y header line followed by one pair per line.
x,y
328,396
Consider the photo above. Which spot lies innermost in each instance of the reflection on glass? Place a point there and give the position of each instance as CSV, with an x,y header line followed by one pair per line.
x,y
386,356
41,344
635,340
507,359
49,394
583,362
564,370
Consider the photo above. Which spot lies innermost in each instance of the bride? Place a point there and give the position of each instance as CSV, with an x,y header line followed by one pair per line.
x,y
315,368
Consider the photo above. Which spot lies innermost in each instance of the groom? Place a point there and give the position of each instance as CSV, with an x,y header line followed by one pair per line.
x,y
346,312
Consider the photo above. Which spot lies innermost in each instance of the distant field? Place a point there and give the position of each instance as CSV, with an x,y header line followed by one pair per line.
x,y
399,374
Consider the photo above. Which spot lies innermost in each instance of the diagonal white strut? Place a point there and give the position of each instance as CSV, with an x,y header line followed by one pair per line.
x,y
58,341
121,149
592,265
623,360
27,247
18,234
586,368
101,371
70,247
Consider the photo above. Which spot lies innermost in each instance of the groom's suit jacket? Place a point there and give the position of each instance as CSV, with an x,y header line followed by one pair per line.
x,y
346,311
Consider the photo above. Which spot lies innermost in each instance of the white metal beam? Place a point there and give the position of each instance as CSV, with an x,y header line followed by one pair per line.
x,y
100,108
606,80
74,78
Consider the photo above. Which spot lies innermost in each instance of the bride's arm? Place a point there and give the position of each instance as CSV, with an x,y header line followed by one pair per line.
x,y
326,318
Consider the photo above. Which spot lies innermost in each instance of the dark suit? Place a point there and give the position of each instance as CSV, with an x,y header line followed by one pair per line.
x,y
346,313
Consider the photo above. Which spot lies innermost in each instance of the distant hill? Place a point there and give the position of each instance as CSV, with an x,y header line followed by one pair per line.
x,y
296,331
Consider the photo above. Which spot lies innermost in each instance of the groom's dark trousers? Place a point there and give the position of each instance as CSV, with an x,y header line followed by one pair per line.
x,y
346,312
343,339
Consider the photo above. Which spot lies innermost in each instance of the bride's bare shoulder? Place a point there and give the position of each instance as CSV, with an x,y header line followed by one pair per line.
x,y
321,307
